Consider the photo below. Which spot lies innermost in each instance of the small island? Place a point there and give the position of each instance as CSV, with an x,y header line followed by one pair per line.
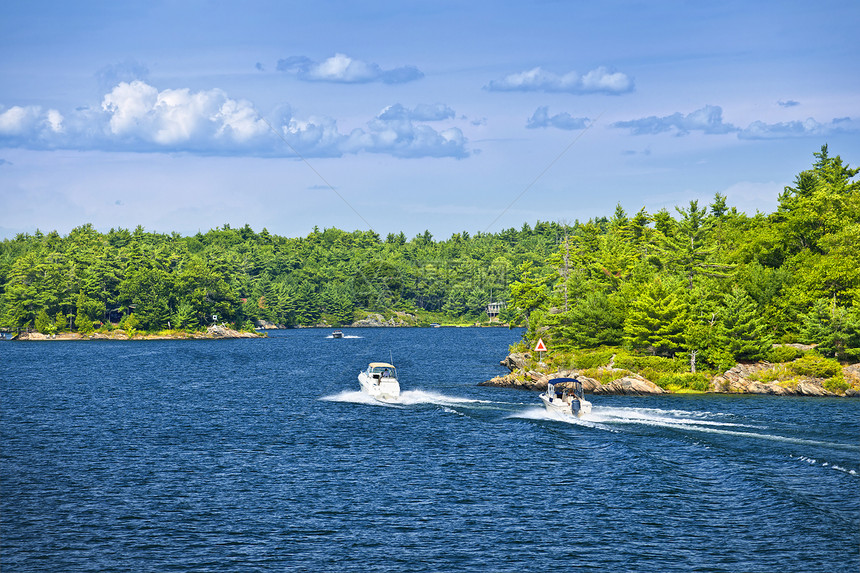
x,y
615,371
710,300
211,333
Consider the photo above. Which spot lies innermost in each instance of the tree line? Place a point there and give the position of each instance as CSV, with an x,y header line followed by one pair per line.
x,y
705,283
150,281
708,284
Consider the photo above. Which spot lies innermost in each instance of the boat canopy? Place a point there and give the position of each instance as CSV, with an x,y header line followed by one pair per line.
x,y
380,365
574,388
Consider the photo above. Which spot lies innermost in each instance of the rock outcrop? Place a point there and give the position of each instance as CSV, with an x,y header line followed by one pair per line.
x,y
737,380
377,320
630,386
218,331
213,332
532,380
515,361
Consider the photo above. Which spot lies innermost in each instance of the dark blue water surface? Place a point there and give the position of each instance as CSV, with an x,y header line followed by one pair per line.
x,y
261,455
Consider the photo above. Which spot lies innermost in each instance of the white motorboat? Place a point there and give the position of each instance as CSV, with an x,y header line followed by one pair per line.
x,y
380,381
337,334
569,399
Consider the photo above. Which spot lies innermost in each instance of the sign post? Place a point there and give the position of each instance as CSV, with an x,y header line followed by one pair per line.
x,y
540,348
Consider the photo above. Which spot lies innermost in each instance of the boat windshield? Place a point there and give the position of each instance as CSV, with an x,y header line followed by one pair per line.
x,y
383,371
572,385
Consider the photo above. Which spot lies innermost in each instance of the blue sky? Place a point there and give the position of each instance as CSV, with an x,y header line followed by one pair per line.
x,y
406,116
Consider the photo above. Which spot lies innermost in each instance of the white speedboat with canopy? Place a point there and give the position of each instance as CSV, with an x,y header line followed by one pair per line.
x,y
565,396
380,381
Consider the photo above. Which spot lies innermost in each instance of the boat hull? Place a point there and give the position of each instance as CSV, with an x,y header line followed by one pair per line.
x,y
570,407
382,389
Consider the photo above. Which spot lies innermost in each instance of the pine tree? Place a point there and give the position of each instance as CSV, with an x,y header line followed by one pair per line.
x,y
656,320
834,329
83,321
687,246
44,324
594,321
184,317
744,331
529,293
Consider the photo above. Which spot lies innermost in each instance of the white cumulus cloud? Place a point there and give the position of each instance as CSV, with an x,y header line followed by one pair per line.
x,y
22,124
400,132
318,137
239,121
341,68
130,106
421,112
598,80
138,117
180,117
708,119
806,128
541,118
17,120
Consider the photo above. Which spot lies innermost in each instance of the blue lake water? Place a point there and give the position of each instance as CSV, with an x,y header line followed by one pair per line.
x,y
261,455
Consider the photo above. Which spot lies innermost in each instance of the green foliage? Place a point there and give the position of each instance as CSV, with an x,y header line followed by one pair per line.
x,y
815,367
238,275
712,287
836,384
529,292
44,324
61,322
129,324
605,375
779,372
84,324
809,365
834,329
593,359
184,317
686,245
596,320
822,201
779,354
686,381
656,364
656,319
707,286
744,333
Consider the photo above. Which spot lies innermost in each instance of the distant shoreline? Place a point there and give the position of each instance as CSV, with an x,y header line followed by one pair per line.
x,y
212,333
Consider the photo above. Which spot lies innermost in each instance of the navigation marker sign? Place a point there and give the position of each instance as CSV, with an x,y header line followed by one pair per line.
x,y
540,349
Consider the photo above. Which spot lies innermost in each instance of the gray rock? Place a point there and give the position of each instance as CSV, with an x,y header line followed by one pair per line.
x,y
630,385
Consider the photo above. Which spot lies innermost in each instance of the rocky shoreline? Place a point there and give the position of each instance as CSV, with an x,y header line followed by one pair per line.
x,y
212,333
372,320
736,380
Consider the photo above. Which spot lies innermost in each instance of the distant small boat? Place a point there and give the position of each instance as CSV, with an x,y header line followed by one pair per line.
x,y
337,334
435,325
380,381
564,401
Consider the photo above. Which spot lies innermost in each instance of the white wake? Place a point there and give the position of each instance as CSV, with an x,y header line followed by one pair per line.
x,y
608,418
406,398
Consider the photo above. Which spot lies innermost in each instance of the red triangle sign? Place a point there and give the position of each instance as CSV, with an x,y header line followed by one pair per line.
x,y
541,347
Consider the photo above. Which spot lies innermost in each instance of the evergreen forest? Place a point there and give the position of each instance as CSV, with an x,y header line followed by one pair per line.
x,y
703,284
